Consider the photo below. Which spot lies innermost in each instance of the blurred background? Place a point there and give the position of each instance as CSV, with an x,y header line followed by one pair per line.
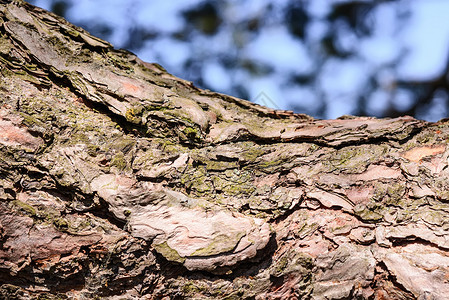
x,y
325,58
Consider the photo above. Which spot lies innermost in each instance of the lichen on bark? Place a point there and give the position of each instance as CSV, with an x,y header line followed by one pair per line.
x,y
118,179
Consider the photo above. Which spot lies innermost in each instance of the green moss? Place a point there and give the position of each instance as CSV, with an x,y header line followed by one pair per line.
x,y
238,189
170,146
306,229
123,144
120,62
426,137
213,165
388,194
27,77
271,164
292,261
220,244
92,150
191,134
5,45
190,288
72,32
282,264
354,159
119,161
28,120
132,115
61,224
433,217
233,185
305,261
30,210
47,215
79,137
369,215
252,151
395,193
198,180
77,81
170,254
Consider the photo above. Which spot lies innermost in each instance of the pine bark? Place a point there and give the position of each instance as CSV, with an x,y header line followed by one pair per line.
x,y
121,181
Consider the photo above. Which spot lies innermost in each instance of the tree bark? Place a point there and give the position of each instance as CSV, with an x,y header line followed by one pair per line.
x,y
121,181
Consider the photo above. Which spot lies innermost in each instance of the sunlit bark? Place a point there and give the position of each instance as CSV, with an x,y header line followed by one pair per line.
x,y
117,178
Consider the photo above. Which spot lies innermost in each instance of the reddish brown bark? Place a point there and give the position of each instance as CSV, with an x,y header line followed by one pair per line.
x,y
119,180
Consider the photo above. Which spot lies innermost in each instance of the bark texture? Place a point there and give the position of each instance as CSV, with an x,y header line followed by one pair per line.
x,y
121,181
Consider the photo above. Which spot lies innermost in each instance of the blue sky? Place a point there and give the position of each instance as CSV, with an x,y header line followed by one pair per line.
x,y
425,38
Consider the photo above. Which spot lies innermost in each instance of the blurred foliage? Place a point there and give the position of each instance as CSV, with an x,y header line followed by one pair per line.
x,y
220,32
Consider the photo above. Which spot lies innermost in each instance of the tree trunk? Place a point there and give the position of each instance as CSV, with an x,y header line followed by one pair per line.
x,y
121,181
